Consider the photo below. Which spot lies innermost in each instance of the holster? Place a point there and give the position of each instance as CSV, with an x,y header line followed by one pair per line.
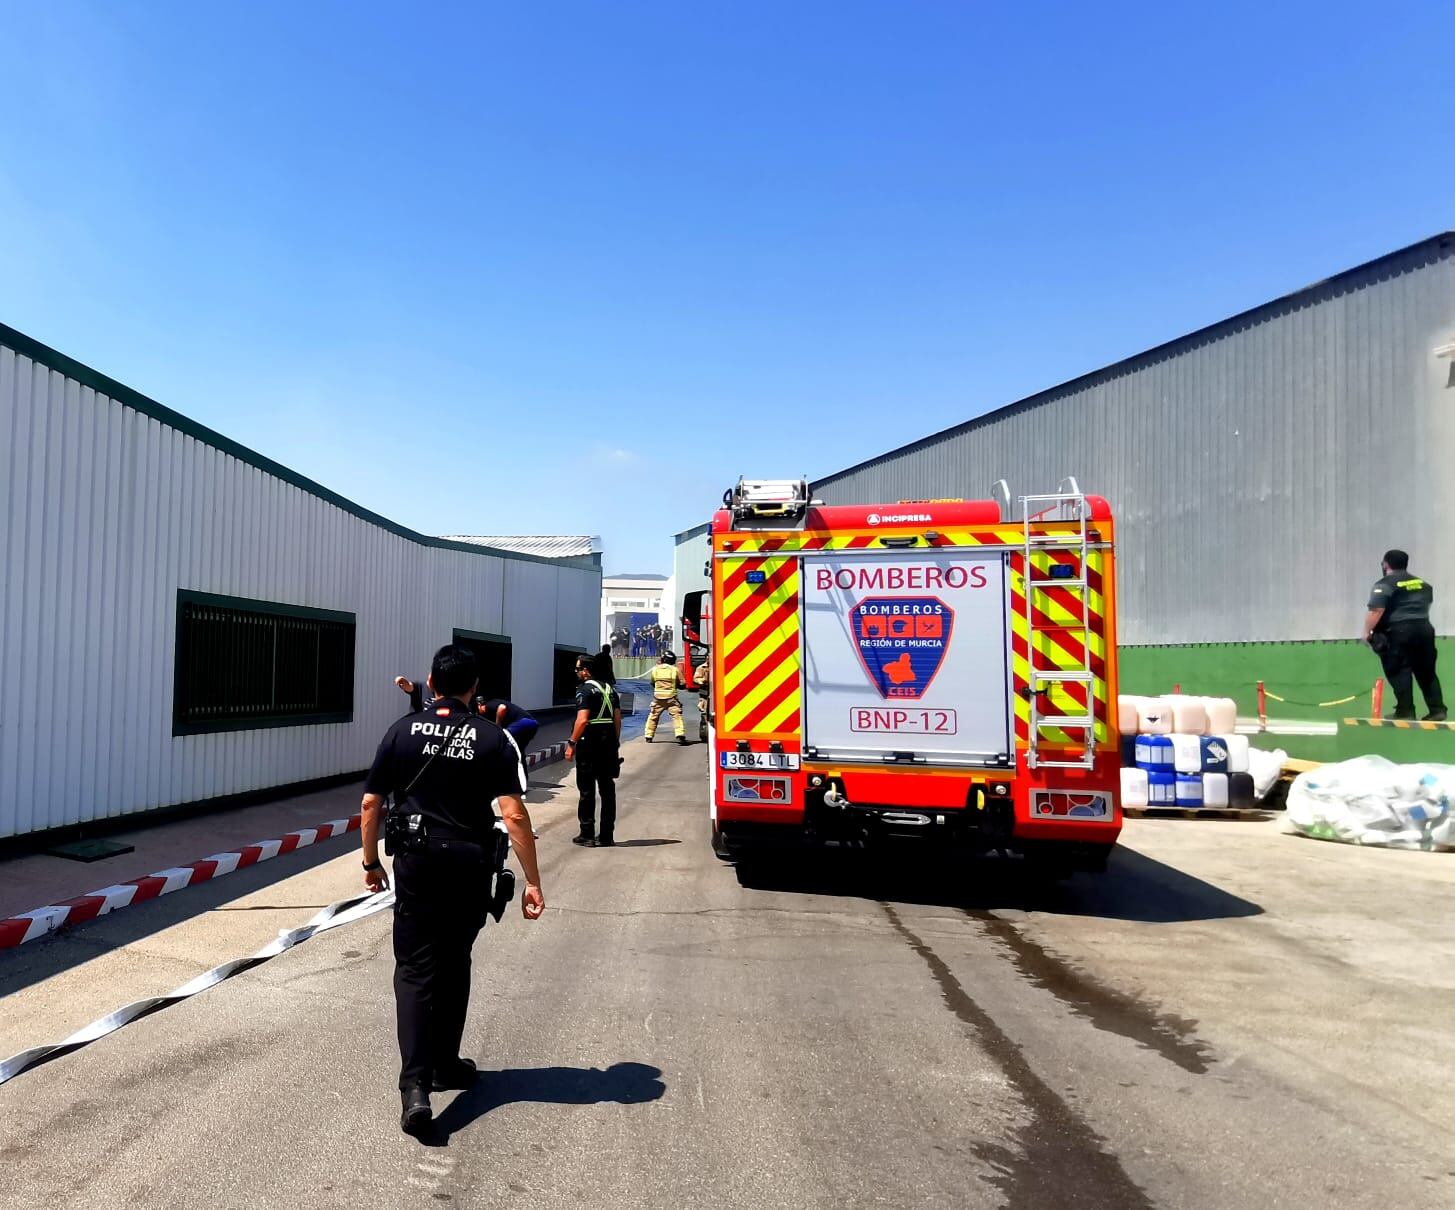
x,y
403,833
504,890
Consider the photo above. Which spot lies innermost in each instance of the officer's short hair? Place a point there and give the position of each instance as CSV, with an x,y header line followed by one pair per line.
x,y
1397,560
453,671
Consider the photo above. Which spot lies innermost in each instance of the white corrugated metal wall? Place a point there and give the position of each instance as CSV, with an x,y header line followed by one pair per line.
x,y
1258,469
105,512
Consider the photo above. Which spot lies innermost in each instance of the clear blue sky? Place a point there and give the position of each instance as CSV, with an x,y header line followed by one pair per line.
x,y
617,254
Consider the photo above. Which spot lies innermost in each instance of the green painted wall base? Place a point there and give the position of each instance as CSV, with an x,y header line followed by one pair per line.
x,y
1303,674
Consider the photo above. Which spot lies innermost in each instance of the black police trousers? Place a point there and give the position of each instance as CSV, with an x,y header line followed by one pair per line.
x,y
1409,655
441,899
596,768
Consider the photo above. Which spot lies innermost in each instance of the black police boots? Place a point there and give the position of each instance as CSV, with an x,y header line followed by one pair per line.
x,y
417,1114
604,842
458,1075
682,739
583,839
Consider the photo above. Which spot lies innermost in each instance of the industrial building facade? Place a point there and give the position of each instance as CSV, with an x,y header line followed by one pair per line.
x,y
185,620
1258,468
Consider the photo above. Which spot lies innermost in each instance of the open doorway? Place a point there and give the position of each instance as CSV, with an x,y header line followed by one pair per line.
x,y
563,674
493,656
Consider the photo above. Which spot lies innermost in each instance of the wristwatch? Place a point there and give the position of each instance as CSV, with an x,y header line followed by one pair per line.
x,y
371,866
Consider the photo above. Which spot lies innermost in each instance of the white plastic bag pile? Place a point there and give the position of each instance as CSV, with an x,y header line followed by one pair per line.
x,y
1266,768
1373,801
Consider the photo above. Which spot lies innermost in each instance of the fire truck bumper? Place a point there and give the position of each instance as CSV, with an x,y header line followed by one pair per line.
x,y
1067,818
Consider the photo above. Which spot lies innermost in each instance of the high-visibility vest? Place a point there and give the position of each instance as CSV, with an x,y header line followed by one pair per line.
x,y
606,714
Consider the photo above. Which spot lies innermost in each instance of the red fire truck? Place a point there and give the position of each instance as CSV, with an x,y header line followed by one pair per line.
x,y
932,668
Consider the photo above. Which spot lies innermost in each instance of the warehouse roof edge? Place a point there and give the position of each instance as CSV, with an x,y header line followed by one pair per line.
x,y
52,359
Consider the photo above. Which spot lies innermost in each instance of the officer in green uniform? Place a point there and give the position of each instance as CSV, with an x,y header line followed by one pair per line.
x,y
595,746
1398,629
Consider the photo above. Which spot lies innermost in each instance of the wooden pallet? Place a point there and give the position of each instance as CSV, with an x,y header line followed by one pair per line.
x,y
1195,812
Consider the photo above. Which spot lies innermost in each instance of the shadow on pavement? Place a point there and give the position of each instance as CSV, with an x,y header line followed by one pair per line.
x,y
1134,887
645,842
621,1084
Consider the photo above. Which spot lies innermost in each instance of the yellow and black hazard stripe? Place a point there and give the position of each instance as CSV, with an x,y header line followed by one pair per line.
x,y
1405,724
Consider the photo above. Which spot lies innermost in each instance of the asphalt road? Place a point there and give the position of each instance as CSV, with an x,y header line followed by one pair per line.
x,y
1228,1018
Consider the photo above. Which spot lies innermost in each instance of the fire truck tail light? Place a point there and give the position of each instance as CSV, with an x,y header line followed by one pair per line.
x,y
1070,804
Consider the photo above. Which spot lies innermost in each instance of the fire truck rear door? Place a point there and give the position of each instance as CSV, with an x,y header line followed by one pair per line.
x,y
907,654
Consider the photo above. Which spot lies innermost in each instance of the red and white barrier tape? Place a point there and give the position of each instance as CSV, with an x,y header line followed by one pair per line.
x,y
38,923
545,756
41,922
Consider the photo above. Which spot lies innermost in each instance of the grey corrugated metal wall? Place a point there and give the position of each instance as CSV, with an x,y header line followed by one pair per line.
x,y
1258,469
690,554
105,512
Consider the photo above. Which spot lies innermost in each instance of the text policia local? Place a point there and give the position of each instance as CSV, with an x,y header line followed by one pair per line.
x,y
461,739
848,579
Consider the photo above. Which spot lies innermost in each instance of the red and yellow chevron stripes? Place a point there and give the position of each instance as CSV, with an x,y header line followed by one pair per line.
x,y
1055,643
760,691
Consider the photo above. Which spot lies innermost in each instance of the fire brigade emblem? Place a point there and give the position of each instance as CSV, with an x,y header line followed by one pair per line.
x,y
902,642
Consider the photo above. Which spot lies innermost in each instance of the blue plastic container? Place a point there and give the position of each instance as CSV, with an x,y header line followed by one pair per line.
x,y
1189,789
1154,752
1161,788
1214,754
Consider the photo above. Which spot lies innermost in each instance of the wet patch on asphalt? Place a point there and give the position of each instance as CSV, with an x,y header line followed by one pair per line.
x,y
1105,1007
1061,1161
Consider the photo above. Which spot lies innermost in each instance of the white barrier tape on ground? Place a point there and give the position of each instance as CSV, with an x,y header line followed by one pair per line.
x,y
345,911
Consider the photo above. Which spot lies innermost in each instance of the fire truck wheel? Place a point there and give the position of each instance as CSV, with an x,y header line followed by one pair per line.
x,y
719,845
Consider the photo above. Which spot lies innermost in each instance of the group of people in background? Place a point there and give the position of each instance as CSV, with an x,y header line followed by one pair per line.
x,y
650,639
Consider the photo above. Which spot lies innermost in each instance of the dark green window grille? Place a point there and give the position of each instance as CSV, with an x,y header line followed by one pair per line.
x,y
248,664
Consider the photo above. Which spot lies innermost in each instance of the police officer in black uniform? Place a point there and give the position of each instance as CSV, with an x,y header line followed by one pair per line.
x,y
1398,628
443,765
595,746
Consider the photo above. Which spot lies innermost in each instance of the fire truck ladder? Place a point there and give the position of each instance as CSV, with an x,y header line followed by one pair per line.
x,y
1066,504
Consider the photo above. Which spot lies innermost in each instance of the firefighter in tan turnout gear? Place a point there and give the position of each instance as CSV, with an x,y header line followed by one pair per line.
x,y
703,676
666,683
